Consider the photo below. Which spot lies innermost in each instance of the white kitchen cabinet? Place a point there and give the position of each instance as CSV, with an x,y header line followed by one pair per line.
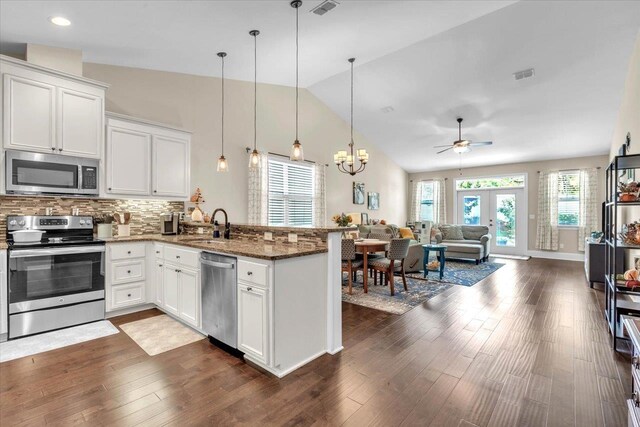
x,y
128,161
170,166
171,288
146,158
253,321
189,296
125,281
158,278
4,327
80,123
51,112
29,118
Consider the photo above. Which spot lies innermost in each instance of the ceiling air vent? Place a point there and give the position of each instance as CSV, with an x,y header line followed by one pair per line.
x,y
324,7
524,74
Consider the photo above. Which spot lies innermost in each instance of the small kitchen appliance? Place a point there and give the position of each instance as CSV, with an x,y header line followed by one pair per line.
x,y
169,222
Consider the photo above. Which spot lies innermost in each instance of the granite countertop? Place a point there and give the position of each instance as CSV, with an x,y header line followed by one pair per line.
x,y
245,247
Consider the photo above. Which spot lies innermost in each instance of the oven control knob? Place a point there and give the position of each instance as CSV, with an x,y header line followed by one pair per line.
x,y
22,223
61,300
13,222
82,222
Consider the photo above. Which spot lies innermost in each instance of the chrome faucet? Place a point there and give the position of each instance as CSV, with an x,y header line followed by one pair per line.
x,y
227,225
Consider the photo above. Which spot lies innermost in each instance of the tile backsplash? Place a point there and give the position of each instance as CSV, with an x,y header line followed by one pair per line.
x,y
144,213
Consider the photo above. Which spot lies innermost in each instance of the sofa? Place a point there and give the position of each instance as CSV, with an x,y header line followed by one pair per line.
x,y
464,241
413,262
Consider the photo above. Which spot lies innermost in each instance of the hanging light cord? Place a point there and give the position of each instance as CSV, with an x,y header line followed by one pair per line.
x,y
222,126
255,90
297,72
352,108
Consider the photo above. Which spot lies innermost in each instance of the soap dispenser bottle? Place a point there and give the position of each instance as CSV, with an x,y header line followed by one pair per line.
x,y
216,230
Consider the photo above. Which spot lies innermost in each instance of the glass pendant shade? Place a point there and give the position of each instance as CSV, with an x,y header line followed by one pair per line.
x,y
461,149
254,159
296,151
223,166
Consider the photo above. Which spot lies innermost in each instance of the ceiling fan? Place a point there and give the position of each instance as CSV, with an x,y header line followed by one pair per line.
x,y
461,145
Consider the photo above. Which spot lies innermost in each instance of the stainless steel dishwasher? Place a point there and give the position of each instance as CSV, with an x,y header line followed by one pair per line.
x,y
219,298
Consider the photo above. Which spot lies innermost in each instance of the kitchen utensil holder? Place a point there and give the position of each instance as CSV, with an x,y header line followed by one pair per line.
x,y
105,230
124,230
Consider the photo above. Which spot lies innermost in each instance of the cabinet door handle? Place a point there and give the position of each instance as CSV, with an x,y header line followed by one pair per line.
x,y
59,149
635,362
128,271
249,273
636,398
249,289
109,189
53,148
129,252
177,256
155,191
159,265
129,295
157,252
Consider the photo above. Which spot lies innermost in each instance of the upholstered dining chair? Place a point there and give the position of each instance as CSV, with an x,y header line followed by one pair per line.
x,y
398,250
349,262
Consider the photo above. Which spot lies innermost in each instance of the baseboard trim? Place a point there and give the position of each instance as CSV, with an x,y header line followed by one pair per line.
x,y
129,310
336,351
565,256
281,373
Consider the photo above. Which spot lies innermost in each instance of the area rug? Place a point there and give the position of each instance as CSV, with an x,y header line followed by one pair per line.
x,y
379,298
465,273
158,334
40,343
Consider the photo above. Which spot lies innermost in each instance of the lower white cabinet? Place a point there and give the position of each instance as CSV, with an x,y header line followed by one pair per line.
x,y
158,277
125,282
3,296
253,321
123,296
170,289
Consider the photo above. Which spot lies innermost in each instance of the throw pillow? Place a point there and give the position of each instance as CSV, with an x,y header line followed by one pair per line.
x,y
406,233
452,232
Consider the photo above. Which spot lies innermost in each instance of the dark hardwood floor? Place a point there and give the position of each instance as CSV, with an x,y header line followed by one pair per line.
x,y
528,346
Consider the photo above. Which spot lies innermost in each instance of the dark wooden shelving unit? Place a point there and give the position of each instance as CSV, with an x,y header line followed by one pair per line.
x,y
619,301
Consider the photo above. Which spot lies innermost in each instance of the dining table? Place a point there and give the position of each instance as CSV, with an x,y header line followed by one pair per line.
x,y
365,247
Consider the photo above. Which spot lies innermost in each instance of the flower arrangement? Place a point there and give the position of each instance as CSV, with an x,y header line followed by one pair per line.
x,y
342,220
631,233
629,191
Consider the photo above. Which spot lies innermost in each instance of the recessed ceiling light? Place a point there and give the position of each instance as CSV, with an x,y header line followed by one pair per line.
x,y
60,21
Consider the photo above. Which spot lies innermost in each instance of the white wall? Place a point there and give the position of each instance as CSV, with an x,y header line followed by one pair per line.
x,y
193,103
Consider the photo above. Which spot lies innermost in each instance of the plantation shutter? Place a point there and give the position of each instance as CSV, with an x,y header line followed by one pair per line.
x,y
290,193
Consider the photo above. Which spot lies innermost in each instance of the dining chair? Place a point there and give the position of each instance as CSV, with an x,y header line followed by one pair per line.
x,y
398,250
349,262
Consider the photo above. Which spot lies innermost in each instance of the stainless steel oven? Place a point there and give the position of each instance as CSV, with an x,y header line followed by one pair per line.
x,y
36,173
55,282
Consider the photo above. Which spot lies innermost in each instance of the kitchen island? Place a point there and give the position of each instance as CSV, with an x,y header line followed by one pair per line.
x,y
288,294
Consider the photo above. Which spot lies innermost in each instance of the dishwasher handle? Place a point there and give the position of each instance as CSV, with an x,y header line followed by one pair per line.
x,y
217,264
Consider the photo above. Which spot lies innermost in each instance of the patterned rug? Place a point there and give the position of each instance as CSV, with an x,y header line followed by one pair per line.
x,y
378,296
459,272
158,334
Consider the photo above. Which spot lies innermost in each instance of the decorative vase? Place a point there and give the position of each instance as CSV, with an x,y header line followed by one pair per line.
x,y
628,197
196,215
105,230
124,230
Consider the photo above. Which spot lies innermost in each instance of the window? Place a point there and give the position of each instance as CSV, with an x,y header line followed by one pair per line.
x,y
426,202
290,193
515,181
568,199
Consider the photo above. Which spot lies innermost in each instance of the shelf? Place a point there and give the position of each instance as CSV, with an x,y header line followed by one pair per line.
x,y
622,245
636,203
630,161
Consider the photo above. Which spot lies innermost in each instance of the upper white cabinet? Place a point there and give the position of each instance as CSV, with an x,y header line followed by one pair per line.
x,y
146,158
49,111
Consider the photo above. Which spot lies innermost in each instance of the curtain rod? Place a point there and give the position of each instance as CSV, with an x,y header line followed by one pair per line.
x,y
287,157
430,179
571,170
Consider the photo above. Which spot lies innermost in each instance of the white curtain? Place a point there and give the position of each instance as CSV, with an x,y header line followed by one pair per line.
x,y
588,213
547,231
259,192
416,198
319,195
439,202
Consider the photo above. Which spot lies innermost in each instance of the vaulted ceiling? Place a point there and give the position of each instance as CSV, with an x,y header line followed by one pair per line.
x,y
430,61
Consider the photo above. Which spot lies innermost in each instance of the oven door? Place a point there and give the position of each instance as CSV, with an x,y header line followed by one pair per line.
x,y
51,277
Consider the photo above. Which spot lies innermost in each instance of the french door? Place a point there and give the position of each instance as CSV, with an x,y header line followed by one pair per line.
x,y
503,211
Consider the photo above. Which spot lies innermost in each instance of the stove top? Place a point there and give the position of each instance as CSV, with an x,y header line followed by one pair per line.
x,y
58,230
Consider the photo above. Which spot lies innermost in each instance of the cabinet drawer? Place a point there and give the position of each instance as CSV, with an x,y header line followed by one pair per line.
x,y
127,251
183,257
158,250
127,295
252,272
127,271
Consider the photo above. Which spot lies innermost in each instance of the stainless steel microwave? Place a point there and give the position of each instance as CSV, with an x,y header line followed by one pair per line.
x,y
36,173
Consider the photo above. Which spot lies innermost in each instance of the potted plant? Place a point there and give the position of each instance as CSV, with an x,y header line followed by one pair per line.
x,y
628,192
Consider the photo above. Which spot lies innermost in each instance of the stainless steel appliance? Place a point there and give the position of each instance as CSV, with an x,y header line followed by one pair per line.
x,y
36,173
169,222
55,282
219,298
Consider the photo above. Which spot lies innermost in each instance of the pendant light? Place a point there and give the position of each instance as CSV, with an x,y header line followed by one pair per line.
x,y
254,158
222,162
346,161
296,149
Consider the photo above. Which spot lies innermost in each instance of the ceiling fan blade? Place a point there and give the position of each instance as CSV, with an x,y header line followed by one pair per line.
x,y
480,144
442,151
442,146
